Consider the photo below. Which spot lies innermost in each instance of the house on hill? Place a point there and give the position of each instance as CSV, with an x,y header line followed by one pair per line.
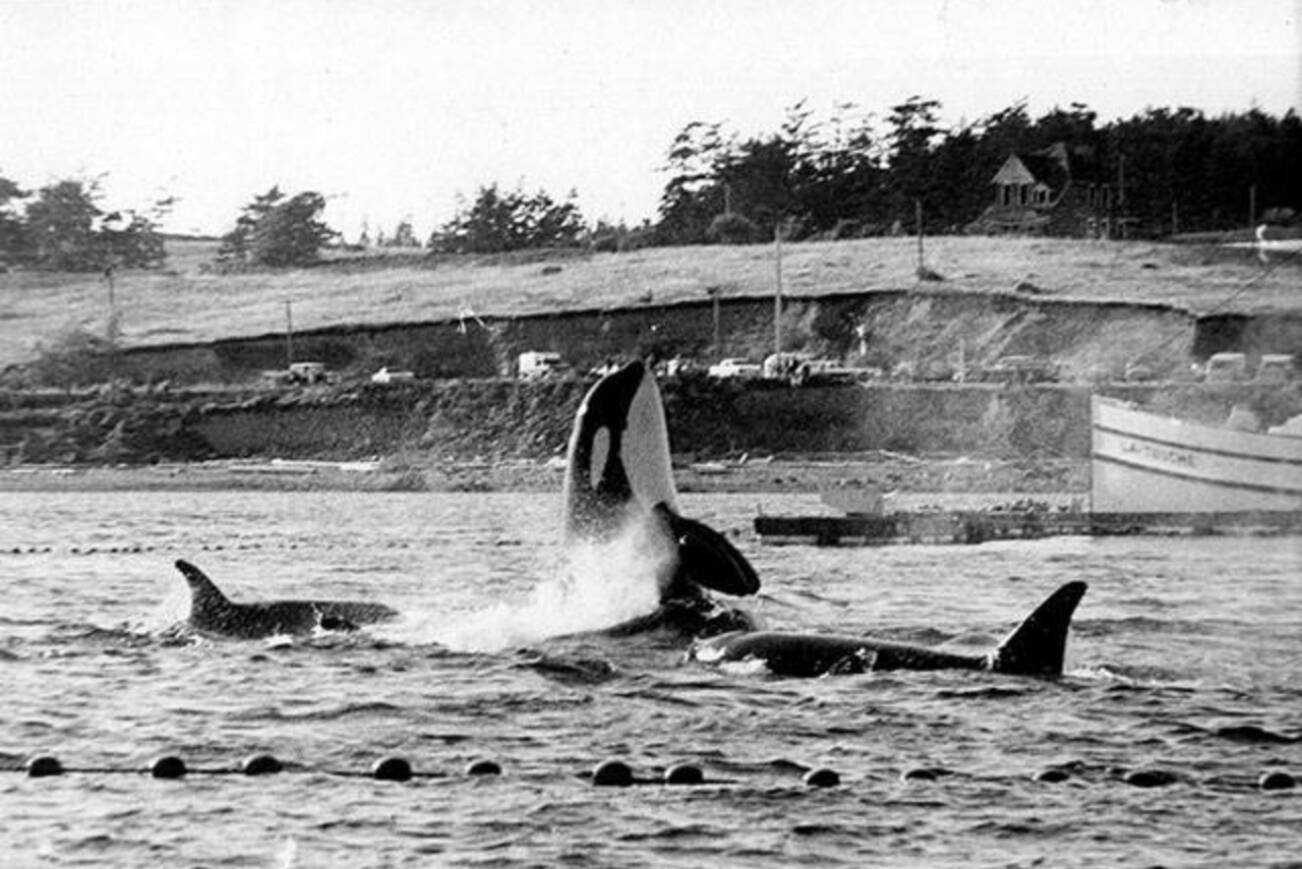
x,y
1058,191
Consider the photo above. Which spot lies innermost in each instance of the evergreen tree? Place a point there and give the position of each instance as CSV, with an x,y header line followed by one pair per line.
x,y
64,229
130,240
914,130
13,233
1169,168
499,221
693,195
235,245
403,236
61,227
276,231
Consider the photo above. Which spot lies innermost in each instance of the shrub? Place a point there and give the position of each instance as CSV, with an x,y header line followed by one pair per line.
x,y
75,357
732,228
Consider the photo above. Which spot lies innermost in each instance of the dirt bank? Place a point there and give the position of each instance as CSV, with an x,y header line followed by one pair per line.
x,y
446,429
931,332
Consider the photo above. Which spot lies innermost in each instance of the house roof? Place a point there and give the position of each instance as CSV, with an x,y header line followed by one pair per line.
x,y
1035,168
1053,167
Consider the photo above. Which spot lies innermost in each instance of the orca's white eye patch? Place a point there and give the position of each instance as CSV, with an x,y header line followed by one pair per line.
x,y
597,459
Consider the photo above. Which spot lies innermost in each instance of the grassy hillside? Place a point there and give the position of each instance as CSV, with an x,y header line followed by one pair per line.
x,y
182,303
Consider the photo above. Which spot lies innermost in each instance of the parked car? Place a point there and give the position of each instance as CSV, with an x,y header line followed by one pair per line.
x,y
1275,368
307,373
677,366
735,369
805,369
783,366
386,375
1021,369
540,365
1226,368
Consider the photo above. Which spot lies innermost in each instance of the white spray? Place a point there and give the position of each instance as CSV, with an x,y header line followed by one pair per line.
x,y
597,585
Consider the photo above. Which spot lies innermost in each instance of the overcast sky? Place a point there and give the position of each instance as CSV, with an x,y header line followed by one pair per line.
x,y
394,107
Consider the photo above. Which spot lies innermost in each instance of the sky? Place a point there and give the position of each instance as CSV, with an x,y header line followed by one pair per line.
x,y
403,109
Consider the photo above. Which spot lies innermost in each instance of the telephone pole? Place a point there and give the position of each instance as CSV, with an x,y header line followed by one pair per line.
x,y
777,296
289,334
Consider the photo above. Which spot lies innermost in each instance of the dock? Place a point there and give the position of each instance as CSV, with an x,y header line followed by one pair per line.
x,y
981,526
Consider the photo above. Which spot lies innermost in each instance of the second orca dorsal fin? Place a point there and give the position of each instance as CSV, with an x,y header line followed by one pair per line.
x,y
707,557
1037,646
204,593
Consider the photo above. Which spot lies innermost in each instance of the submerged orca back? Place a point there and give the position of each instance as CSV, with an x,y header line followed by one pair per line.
x,y
1036,647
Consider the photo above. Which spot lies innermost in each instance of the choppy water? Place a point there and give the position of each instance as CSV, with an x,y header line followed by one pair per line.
x,y
1186,656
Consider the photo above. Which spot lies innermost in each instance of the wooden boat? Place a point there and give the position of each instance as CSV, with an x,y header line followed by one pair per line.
x,y
1143,463
1151,474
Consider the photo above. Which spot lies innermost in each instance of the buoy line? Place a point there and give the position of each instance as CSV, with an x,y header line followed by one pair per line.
x,y
618,773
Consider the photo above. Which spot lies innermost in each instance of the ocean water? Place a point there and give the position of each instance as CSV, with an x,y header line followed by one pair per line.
x,y
1185,659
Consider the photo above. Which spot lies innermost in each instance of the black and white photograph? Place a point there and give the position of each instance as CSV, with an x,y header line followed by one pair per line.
x,y
651,433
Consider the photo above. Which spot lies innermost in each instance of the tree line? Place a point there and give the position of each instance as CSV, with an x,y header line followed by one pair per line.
x,y
61,227
849,174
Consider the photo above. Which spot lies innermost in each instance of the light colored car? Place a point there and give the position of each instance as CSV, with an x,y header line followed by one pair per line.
x,y
1275,368
540,365
1226,368
1021,369
386,375
804,369
741,369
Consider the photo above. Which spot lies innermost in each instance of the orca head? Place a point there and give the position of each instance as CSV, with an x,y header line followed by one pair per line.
x,y
619,470
618,460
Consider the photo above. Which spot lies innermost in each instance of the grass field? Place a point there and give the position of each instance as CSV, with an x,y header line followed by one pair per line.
x,y
182,303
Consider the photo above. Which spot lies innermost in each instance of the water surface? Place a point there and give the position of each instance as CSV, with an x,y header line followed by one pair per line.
x,y
1186,656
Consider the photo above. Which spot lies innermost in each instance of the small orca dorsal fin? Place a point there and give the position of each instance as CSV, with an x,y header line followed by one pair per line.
x,y
1036,647
708,558
204,594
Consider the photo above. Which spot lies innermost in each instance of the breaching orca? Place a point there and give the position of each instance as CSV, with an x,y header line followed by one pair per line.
x,y
211,612
1034,648
619,477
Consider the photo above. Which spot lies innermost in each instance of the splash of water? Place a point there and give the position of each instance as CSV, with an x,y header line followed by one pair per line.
x,y
599,584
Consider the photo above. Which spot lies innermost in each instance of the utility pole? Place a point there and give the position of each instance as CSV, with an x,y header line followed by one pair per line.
x,y
713,293
112,329
289,334
1119,224
917,220
777,296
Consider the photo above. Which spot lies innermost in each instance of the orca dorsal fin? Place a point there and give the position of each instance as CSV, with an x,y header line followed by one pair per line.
x,y
204,594
1036,647
707,557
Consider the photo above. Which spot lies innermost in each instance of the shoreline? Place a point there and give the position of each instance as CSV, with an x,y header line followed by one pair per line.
x,y
905,475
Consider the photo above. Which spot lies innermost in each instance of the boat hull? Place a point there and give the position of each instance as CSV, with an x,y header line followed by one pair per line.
x,y
1147,463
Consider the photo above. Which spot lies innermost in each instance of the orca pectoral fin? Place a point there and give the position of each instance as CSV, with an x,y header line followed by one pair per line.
x,y
1037,646
708,558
